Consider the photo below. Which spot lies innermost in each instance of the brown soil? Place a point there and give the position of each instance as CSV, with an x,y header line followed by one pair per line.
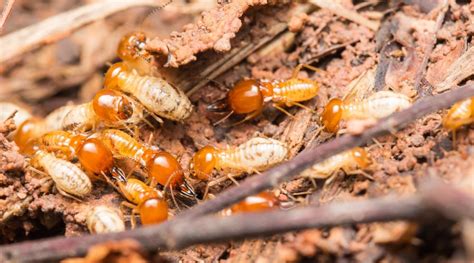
x,y
72,70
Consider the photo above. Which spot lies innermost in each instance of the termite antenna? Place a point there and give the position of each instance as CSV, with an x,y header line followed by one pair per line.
x,y
153,11
223,119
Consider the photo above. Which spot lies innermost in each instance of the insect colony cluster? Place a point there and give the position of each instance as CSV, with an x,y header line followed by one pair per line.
x,y
78,144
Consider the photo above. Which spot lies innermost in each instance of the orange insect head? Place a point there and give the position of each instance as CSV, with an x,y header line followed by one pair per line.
x,y
25,132
117,73
245,97
165,169
256,203
361,157
153,211
95,156
111,105
203,162
332,115
130,45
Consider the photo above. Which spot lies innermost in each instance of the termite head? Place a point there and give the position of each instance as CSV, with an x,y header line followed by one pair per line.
x,y
203,162
115,74
111,106
256,203
153,211
25,132
95,157
165,169
332,115
131,45
245,97
361,157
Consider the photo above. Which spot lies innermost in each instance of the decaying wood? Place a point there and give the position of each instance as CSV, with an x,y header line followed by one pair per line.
x,y
340,10
6,11
460,70
436,198
62,25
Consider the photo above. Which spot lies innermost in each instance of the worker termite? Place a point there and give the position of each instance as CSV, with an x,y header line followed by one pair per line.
x,y
376,106
347,161
250,95
102,219
256,203
109,107
143,200
68,178
255,155
95,157
34,127
156,95
161,167
460,114
131,50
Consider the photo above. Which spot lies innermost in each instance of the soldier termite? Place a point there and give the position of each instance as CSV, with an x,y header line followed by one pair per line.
x,y
347,161
161,167
131,50
102,219
155,94
95,157
376,106
461,113
143,200
68,178
256,154
249,96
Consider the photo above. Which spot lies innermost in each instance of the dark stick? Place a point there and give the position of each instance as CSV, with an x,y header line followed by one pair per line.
x,y
290,169
210,229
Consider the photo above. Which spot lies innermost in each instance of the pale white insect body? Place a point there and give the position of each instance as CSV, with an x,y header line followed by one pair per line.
x,y
70,180
103,219
257,154
379,105
158,96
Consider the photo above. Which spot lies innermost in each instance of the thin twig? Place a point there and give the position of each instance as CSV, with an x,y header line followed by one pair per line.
x,y
209,229
420,74
340,10
5,13
60,26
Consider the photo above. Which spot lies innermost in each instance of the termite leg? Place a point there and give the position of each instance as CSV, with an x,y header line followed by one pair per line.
x,y
133,219
174,199
64,152
232,178
224,118
283,110
454,139
67,195
301,106
300,66
360,172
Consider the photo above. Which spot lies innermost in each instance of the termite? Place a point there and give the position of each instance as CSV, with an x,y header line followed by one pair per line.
x,y
347,161
257,154
109,107
8,109
376,106
95,157
250,95
102,219
460,114
131,50
155,94
256,203
34,127
143,200
161,167
68,178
